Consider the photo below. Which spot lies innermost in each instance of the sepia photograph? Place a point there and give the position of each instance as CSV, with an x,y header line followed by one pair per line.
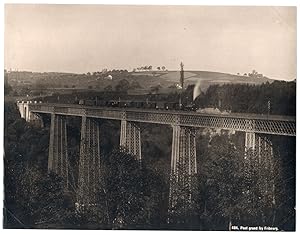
x,y
149,117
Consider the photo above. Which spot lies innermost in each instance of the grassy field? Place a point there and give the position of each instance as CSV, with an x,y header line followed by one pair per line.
x,y
208,78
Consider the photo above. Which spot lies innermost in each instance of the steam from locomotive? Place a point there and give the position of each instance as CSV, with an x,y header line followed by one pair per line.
x,y
197,90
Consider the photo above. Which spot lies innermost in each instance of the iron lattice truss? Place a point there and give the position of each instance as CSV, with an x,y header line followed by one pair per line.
x,y
271,124
130,138
58,152
89,163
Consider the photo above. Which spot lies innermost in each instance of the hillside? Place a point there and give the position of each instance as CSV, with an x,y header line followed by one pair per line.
x,y
167,79
141,82
208,78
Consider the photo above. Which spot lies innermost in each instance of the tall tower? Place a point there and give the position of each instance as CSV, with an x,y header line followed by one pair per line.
x,y
181,75
181,84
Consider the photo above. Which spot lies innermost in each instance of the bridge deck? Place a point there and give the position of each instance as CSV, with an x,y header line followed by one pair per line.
x,y
268,124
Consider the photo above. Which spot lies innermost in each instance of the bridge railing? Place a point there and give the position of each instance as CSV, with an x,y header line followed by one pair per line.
x,y
108,114
161,118
277,127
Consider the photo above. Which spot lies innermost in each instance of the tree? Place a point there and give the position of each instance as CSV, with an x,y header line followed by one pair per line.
x,y
123,85
7,89
42,197
222,176
135,85
133,192
32,197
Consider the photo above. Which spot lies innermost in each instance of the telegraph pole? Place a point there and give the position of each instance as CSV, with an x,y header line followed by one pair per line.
x,y
181,83
269,107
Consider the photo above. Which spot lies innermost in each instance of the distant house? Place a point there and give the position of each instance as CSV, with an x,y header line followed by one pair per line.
x,y
26,82
175,86
178,86
109,77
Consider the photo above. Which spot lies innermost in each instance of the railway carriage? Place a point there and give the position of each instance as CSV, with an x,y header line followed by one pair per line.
x,y
159,105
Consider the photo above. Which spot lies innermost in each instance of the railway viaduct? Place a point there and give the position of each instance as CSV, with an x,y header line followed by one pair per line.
x,y
256,127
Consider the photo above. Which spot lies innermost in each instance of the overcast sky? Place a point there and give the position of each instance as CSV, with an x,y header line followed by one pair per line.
x,y
82,38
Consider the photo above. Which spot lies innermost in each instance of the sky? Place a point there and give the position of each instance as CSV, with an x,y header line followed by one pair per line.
x,y
87,38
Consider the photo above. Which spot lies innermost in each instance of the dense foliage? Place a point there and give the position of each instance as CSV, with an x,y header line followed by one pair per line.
x,y
32,197
252,98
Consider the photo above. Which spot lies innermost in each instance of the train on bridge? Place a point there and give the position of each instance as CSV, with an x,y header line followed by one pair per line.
x,y
159,105
146,102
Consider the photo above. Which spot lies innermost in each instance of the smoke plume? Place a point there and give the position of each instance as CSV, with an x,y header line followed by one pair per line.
x,y
197,90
